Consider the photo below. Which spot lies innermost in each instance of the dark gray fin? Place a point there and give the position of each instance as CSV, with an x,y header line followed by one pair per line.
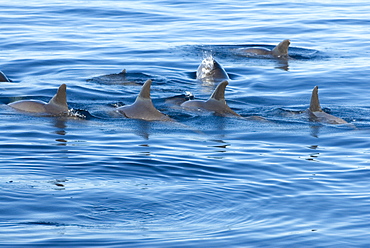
x,y
222,74
281,49
4,78
60,98
219,92
123,71
145,90
315,103
216,65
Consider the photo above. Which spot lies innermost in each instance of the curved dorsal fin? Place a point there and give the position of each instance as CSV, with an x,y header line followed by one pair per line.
x,y
281,48
315,103
219,93
145,90
3,77
60,98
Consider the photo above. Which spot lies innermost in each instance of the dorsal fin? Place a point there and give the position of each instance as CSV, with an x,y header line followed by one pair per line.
x,y
219,92
60,98
145,90
4,78
315,103
221,73
281,48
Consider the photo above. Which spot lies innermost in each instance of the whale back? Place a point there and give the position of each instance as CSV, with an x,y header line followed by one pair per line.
x,y
215,103
143,107
257,51
32,106
281,49
57,105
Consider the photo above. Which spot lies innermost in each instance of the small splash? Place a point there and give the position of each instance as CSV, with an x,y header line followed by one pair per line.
x,y
208,65
76,113
117,105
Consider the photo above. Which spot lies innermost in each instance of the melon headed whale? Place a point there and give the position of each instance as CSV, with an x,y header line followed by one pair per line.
x,y
56,106
281,50
216,103
143,107
316,114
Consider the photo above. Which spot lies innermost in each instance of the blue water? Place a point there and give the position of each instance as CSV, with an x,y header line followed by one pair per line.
x,y
204,180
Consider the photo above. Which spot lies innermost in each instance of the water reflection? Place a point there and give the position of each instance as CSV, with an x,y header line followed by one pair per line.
x,y
142,128
315,129
283,64
222,146
314,147
314,155
60,123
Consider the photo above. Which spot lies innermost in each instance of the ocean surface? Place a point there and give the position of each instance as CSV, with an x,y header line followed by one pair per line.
x,y
99,179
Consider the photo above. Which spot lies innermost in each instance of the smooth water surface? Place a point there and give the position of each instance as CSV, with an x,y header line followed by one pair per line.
x,y
99,179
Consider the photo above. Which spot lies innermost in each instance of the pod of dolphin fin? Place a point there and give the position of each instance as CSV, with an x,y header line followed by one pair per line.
x,y
209,70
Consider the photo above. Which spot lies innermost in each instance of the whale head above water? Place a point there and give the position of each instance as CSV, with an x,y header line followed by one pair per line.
x,y
211,71
279,51
143,107
56,106
317,114
216,103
